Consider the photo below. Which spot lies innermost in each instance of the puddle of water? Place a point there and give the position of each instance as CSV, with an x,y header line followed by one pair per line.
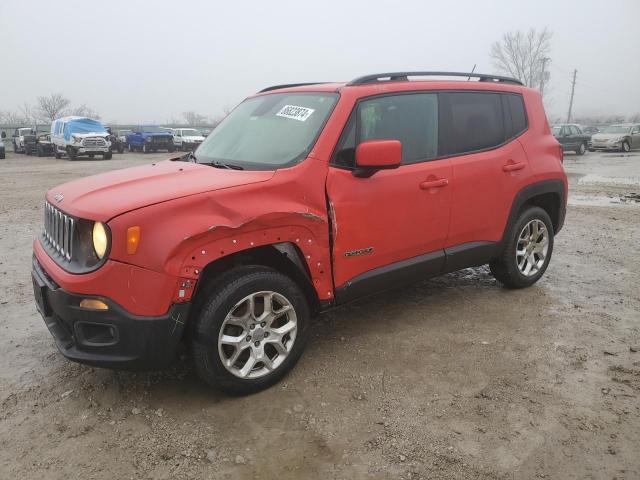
x,y
601,201
594,178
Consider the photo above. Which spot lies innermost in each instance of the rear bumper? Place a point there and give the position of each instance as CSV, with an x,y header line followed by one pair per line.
x,y
112,338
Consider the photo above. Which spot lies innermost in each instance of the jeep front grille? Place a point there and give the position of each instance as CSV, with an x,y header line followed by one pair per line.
x,y
59,229
94,142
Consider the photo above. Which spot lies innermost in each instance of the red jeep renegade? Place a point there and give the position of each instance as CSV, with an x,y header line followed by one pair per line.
x,y
305,197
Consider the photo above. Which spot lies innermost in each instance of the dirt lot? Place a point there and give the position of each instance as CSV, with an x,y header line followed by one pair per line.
x,y
453,378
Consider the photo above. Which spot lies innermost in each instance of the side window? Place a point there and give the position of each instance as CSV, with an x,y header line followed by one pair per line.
x,y
515,116
411,118
575,130
474,121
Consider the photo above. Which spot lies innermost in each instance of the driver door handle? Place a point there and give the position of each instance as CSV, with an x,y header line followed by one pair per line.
x,y
440,182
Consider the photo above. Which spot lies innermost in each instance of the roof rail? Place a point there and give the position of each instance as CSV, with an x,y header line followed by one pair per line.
x,y
289,85
403,77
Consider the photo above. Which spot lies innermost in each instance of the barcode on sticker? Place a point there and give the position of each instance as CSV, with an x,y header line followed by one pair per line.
x,y
295,113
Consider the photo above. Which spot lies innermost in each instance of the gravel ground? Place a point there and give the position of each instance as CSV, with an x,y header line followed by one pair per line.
x,y
455,377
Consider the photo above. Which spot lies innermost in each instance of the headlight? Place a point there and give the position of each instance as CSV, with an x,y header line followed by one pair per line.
x,y
76,139
100,239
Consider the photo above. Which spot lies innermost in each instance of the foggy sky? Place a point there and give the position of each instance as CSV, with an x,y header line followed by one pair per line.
x,y
151,61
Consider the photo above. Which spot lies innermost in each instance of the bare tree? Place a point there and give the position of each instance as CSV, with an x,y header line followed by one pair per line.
x,y
12,118
52,106
29,114
84,111
194,119
524,56
634,118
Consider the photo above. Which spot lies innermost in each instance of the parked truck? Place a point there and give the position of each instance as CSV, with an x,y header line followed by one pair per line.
x,y
150,138
80,136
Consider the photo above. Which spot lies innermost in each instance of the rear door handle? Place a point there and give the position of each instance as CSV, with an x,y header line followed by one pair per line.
x,y
512,167
440,182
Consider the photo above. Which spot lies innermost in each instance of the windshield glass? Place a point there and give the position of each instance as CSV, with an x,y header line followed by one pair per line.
x,y
616,129
153,130
269,131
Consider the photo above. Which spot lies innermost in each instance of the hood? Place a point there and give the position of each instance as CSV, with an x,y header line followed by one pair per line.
x,y
608,136
104,196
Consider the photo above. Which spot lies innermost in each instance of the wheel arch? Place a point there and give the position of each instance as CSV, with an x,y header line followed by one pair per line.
x,y
548,195
284,257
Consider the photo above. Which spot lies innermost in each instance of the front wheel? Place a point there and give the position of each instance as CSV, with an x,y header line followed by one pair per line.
x,y
528,250
250,328
626,147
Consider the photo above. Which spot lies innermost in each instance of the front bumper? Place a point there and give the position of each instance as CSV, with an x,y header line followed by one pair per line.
x,y
111,338
606,146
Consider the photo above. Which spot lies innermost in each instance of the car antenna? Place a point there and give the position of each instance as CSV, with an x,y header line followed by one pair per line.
x,y
472,70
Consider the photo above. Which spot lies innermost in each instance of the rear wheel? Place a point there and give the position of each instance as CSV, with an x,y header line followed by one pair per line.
x,y
250,328
582,149
528,250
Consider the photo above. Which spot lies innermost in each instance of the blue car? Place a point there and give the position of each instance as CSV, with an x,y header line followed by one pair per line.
x,y
149,138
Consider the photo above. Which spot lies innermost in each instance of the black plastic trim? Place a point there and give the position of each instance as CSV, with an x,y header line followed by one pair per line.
x,y
392,276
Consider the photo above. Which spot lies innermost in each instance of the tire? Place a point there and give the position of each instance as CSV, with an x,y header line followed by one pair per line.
x,y
72,153
228,294
57,155
131,148
120,148
626,147
582,149
107,156
506,267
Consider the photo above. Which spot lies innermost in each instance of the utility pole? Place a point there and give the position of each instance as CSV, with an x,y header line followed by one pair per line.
x,y
543,75
573,87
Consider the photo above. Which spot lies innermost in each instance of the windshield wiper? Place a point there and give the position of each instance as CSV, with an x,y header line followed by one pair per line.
x,y
229,166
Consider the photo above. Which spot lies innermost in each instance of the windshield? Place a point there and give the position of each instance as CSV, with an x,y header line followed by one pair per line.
x,y
153,130
269,131
616,129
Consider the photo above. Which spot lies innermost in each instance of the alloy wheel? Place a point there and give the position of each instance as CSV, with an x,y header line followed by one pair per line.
x,y
257,334
532,247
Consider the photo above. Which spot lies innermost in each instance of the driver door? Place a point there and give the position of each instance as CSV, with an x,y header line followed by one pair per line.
x,y
389,228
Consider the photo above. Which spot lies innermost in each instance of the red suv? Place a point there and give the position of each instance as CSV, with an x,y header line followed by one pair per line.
x,y
304,198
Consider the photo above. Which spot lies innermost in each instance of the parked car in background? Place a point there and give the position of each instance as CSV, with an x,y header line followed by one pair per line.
x,y
589,130
622,137
116,144
39,145
2,147
80,136
150,138
301,200
18,138
571,138
187,138
122,136
205,132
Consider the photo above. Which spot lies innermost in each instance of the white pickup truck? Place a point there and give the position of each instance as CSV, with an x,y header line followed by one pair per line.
x,y
186,138
18,138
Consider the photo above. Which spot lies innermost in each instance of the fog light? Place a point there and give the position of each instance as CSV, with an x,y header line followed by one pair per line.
x,y
93,304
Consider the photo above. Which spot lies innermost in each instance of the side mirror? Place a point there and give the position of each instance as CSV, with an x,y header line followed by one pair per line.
x,y
377,155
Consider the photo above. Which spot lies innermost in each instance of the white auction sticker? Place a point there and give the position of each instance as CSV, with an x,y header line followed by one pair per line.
x,y
295,113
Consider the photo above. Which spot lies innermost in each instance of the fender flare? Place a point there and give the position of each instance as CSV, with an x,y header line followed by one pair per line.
x,y
554,186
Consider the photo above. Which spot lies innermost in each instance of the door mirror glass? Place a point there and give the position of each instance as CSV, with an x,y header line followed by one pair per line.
x,y
379,154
